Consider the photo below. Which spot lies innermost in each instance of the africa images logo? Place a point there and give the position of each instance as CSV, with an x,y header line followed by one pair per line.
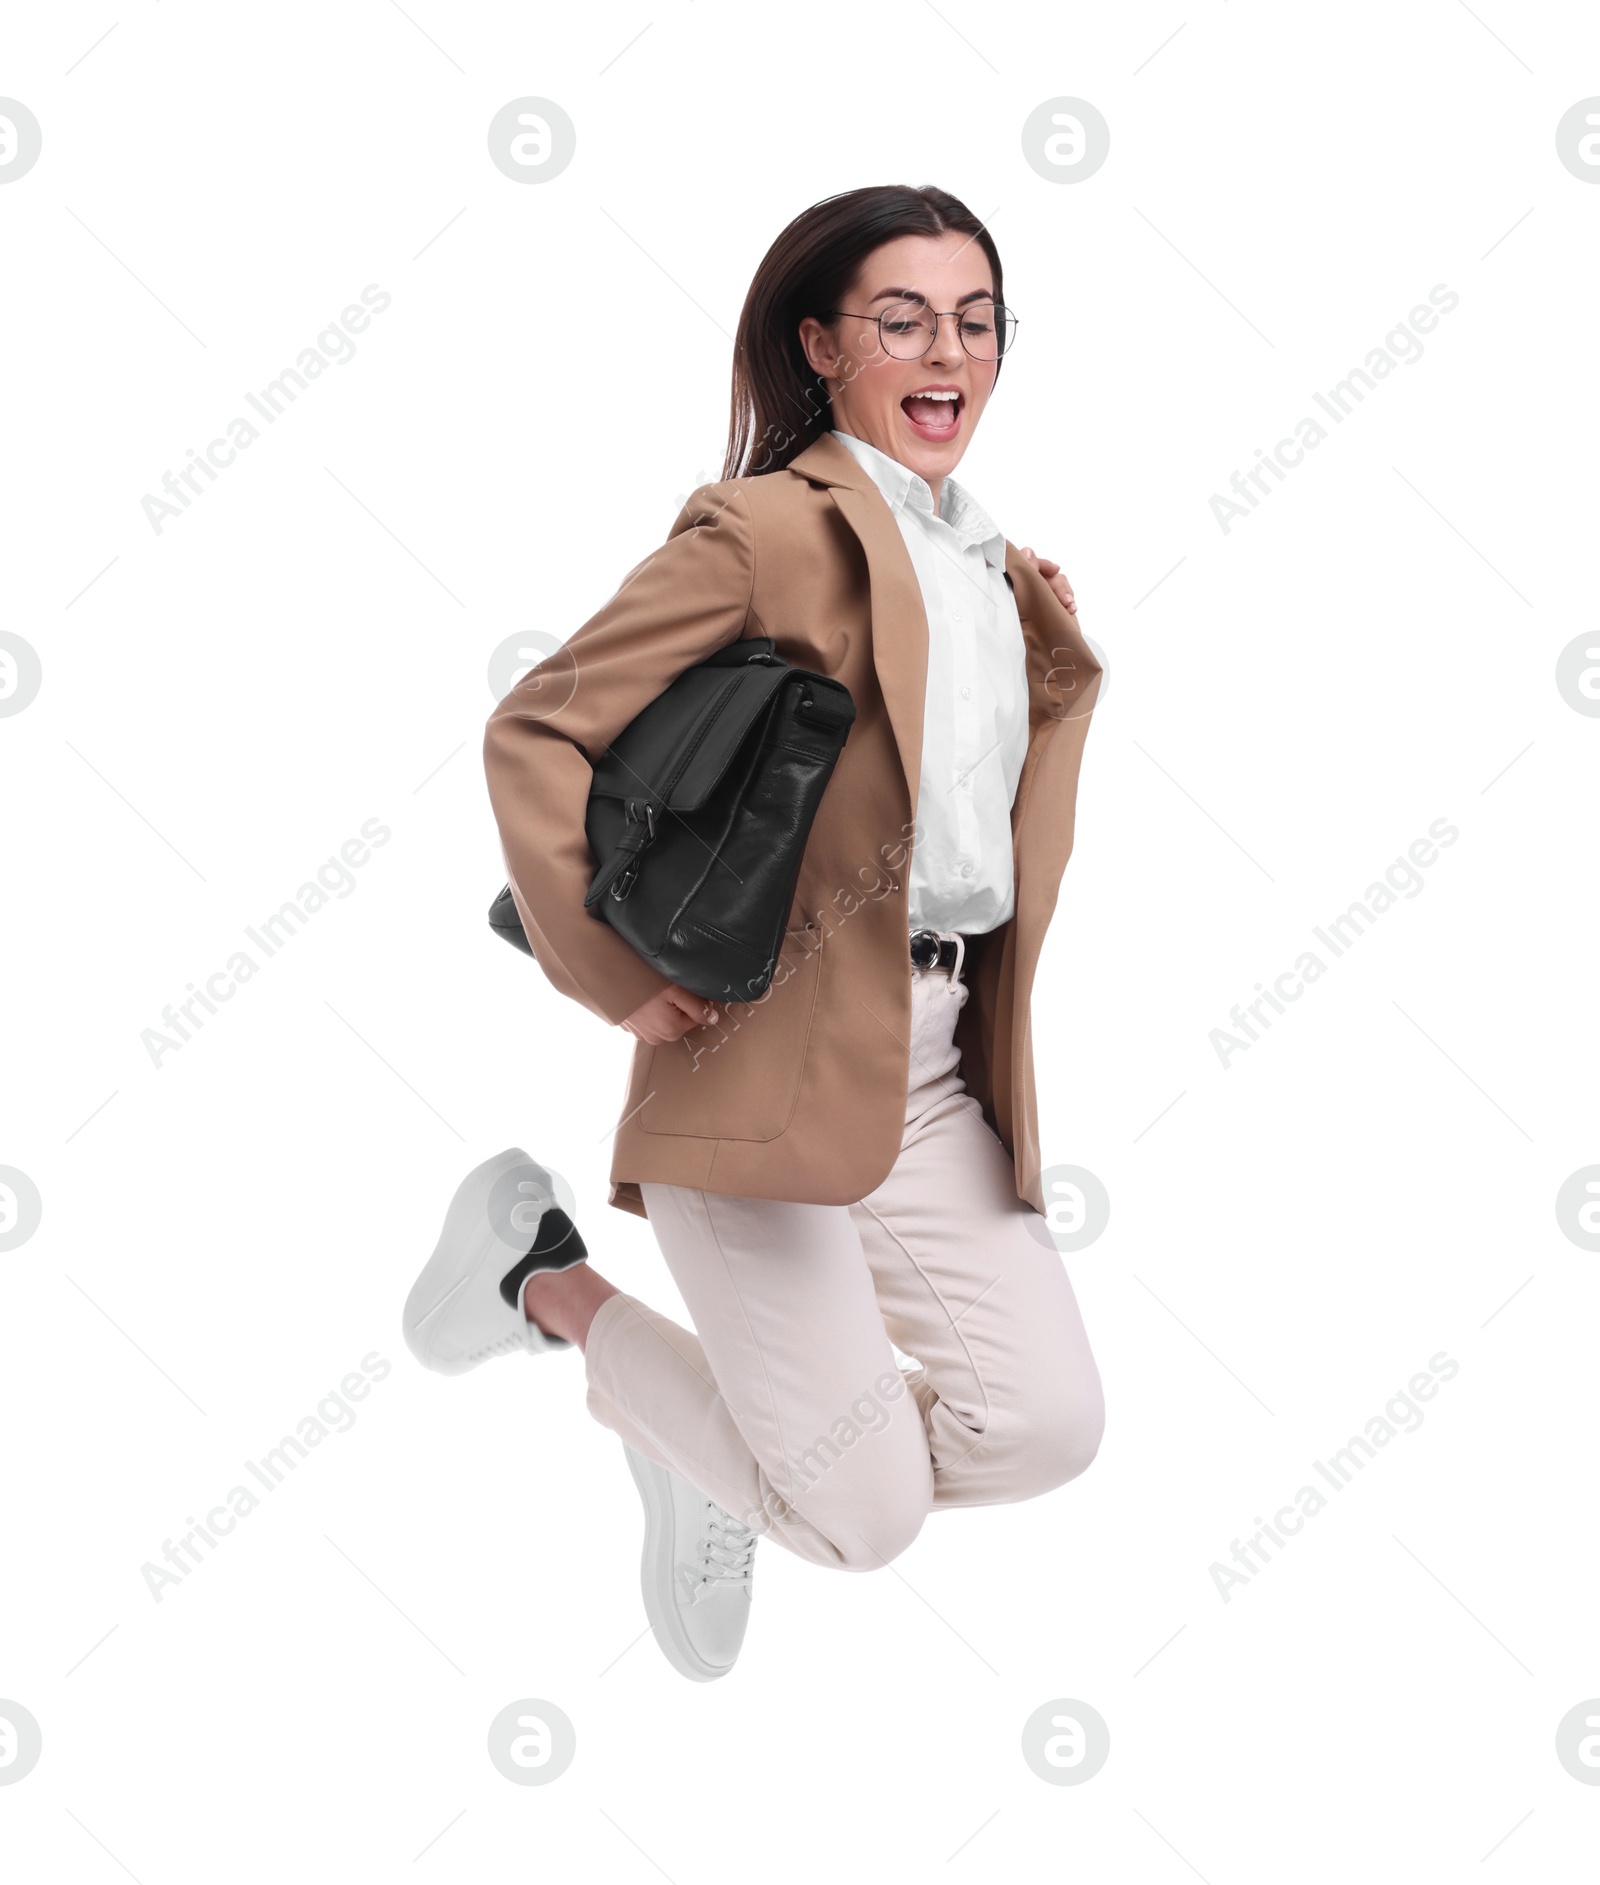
x,y
334,346
1400,1414
1402,346
332,1414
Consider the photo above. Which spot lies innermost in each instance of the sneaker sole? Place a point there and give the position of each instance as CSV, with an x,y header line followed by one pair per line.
x,y
655,1572
466,1243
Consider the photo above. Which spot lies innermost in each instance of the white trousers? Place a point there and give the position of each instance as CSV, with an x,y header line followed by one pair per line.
x,y
787,1405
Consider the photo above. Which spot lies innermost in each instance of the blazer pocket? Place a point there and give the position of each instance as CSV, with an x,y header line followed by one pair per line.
x,y
740,1077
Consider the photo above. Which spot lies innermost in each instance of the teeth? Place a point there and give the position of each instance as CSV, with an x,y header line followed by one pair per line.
x,y
935,395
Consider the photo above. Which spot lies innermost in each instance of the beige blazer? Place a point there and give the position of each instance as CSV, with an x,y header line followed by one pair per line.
x,y
800,1094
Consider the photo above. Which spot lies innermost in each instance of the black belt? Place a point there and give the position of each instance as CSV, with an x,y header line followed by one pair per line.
x,y
932,951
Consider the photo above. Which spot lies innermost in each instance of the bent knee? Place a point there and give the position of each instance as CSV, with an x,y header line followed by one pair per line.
x,y
871,1545
1047,1441
868,1524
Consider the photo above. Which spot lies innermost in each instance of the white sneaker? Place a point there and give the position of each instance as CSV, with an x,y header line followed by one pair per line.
x,y
696,1572
503,1219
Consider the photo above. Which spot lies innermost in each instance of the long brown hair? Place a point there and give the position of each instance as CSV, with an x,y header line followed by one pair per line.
x,y
780,406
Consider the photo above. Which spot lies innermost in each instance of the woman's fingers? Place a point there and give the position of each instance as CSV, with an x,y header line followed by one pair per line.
x,y
700,1011
1051,572
669,1015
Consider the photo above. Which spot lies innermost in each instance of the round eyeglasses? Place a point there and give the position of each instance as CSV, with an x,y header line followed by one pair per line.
x,y
906,329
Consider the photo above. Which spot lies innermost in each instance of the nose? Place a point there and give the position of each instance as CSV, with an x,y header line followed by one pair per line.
x,y
945,350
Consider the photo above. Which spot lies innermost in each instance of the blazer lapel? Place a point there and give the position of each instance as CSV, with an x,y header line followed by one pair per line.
x,y
899,621
1062,673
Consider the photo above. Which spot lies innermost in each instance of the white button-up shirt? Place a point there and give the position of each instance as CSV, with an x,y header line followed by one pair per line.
x,y
975,725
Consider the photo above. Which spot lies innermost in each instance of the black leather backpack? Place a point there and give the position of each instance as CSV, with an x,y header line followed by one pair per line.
x,y
699,814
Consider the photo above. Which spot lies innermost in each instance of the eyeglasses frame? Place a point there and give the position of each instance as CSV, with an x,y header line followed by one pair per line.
x,y
953,314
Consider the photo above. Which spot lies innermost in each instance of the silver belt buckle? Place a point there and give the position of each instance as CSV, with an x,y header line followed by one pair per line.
x,y
924,948
927,956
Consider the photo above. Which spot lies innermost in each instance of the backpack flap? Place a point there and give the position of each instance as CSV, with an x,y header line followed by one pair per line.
x,y
724,737
672,755
683,742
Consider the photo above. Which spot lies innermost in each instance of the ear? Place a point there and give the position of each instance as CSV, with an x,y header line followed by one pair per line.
x,y
821,349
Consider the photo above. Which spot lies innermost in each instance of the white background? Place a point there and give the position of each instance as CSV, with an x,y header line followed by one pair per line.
x,y
1291,704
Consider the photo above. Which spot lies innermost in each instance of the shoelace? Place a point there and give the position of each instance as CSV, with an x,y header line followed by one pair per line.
x,y
726,1550
516,1339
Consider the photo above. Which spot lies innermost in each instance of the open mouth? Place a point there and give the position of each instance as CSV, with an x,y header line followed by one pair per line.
x,y
935,412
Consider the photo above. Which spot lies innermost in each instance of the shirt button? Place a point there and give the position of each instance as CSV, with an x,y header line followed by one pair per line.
x,y
957,616
966,870
966,693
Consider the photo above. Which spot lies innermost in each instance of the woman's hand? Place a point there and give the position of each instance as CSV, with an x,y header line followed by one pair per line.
x,y
1051,572
670,1015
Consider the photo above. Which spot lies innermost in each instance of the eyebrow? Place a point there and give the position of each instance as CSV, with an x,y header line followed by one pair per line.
x,y
916,294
